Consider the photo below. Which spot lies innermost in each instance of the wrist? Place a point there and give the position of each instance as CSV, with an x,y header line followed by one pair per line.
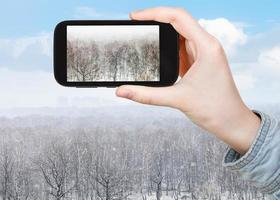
x,y
237,127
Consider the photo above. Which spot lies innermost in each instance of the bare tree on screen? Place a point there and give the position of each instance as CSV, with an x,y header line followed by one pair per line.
x,y
128,60
113,54
133,61
150,60
82,60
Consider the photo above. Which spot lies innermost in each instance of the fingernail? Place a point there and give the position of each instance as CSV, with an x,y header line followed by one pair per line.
x,y
130,15
124,93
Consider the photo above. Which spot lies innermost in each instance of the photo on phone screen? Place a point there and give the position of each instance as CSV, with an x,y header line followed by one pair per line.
x,y
113,53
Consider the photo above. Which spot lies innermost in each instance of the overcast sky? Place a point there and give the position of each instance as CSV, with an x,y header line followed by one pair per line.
x,y
249,31
107,33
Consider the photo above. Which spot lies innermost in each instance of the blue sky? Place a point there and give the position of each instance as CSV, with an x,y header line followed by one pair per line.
x,y
28,17
249,31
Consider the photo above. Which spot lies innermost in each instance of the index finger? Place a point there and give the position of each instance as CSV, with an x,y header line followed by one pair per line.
x,y
182,21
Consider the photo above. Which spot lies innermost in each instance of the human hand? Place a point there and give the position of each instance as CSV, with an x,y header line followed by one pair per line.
x,y
206,92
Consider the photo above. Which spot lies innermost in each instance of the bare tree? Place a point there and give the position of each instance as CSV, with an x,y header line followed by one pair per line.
x,y
150,60
133,61
110,177
157,173
113,54
129,60
97,159
6,170
82,60
82,165
55,167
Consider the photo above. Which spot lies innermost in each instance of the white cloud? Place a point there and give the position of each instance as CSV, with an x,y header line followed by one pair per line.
x,y
32,52
19,45
270,58
254,59
44,41
230,34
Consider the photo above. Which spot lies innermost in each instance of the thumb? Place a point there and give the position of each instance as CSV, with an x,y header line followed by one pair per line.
x,y
161,96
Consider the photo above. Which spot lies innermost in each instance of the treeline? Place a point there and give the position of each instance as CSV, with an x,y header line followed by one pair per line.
x,y
131,60
110,163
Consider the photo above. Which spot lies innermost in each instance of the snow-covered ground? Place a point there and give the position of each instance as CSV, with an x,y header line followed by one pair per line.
x,y
86,153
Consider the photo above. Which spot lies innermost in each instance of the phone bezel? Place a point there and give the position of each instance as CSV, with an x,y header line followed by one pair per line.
x,y
169,52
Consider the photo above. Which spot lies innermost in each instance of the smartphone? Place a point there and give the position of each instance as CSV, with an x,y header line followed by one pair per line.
x,y
98,53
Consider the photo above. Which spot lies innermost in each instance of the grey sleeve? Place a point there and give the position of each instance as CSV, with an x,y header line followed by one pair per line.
x,y
261,164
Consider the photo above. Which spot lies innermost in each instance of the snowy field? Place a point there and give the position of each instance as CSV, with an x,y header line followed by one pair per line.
x,y
133,153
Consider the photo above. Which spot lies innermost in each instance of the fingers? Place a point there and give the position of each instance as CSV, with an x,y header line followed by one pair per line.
x,y
182,21
161,96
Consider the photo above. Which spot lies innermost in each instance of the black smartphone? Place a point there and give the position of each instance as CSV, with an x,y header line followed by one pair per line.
x,y
98,53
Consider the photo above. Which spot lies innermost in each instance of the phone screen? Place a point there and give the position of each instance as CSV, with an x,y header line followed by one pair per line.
x,y
113,53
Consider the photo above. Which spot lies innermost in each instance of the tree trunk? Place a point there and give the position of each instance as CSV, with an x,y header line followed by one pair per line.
x,y
107,192
158,194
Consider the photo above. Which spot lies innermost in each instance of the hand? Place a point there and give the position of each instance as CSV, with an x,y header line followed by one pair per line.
x,y
206,93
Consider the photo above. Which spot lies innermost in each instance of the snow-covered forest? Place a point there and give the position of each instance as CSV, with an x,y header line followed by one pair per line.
x,y
113,59
137,154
